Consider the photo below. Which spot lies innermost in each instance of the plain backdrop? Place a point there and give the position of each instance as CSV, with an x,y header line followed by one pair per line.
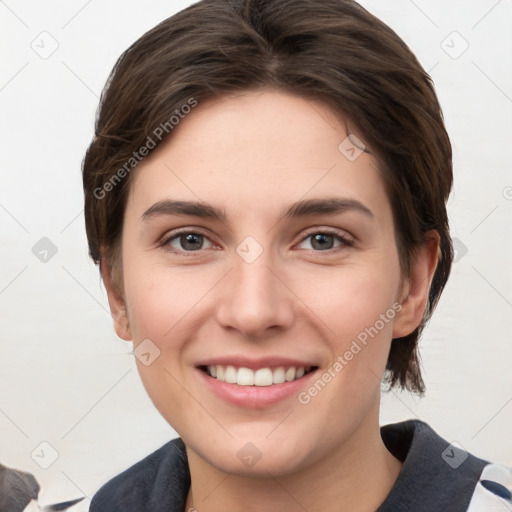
x,y
68,382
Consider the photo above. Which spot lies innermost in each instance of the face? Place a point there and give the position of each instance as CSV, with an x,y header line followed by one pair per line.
x,y
253,240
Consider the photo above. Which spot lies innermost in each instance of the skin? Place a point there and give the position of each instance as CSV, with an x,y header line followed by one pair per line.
x,y
253,154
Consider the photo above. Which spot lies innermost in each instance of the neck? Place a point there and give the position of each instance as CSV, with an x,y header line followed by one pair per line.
x,y
356,477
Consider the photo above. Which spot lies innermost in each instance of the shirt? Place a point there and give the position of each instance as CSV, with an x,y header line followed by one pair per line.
x,y
436,476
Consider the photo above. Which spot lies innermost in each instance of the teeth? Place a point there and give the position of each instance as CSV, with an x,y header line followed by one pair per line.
x,y
278,376
261,377
245,377
230,375
290,374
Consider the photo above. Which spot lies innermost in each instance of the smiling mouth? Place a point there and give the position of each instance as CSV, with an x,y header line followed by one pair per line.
x,y
243,376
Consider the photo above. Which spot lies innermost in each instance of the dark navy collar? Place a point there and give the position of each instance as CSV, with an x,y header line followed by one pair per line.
x,y
435,474
428,481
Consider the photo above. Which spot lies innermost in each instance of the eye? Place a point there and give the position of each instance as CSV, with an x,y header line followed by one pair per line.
x,y
324,240
185,241
193,241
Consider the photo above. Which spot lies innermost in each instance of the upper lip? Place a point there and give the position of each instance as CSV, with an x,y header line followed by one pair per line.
x,y
255,363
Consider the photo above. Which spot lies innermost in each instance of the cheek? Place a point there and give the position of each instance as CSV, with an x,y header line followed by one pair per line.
x,y
159,299
161,309
358,305
352,298
368,305
360,313
166,306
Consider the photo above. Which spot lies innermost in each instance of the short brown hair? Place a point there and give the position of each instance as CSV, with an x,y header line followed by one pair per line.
x,y
333,51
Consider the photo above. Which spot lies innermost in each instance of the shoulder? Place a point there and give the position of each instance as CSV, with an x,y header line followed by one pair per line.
x,y
494,490
160,481
440,475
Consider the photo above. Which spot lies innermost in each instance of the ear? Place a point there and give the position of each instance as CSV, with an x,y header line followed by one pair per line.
x,y
416,287
117,305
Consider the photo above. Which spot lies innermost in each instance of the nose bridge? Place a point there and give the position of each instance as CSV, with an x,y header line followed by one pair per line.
x,y
255,299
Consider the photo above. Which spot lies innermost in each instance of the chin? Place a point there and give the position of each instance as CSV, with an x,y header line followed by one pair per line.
x,y
254,455
274,463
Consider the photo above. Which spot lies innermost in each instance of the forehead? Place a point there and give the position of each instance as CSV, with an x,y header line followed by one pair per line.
x,y
256,146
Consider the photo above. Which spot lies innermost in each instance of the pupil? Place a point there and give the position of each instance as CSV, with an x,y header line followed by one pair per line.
x,y
190,239
321,239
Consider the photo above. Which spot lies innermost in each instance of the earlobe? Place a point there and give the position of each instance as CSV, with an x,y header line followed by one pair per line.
x,y
416,290
117,305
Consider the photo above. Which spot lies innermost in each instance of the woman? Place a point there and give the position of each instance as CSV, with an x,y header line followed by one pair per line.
x,y
266,198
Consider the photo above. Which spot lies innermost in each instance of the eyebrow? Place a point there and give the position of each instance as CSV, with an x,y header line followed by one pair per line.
x,y
327,206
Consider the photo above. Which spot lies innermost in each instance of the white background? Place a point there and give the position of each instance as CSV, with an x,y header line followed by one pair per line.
x,y
65,377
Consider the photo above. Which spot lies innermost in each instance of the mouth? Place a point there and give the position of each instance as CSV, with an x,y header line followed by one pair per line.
x,y
256,383
260,377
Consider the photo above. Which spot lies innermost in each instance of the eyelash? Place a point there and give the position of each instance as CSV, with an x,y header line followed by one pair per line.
x,y
345,242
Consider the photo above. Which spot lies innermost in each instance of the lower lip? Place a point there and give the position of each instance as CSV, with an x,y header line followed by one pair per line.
x,y
254,397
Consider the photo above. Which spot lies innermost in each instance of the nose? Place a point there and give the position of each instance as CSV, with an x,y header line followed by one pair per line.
x,y
255,299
